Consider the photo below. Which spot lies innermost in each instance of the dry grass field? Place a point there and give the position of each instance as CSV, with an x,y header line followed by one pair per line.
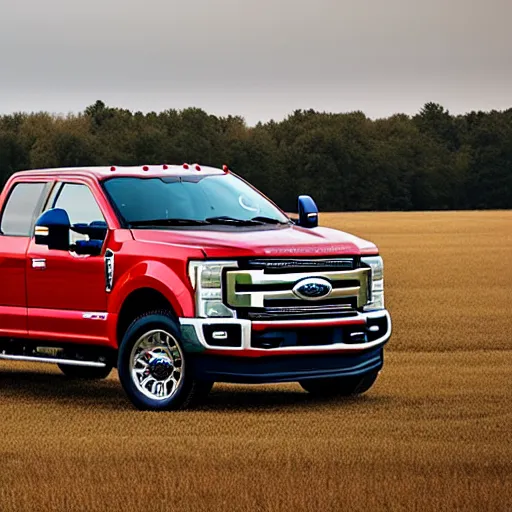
x,y
435,433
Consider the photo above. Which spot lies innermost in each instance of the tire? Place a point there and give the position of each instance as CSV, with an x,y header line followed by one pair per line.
x,y
153,368
85,372
341,386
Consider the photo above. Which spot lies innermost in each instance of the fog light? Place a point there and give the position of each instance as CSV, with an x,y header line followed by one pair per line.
x,y
223,335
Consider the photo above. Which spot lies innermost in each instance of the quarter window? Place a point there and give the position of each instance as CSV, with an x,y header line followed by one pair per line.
x,y
19,212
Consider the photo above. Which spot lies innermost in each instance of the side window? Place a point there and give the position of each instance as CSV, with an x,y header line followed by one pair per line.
x,y
20,208
80,205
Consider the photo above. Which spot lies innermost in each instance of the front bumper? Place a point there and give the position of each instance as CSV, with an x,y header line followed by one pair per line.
x,y
357,333
287,368
336,355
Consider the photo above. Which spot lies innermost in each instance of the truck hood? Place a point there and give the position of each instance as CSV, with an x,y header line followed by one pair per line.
x,y
273,242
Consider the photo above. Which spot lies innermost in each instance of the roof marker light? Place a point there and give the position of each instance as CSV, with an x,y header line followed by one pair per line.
x,y
112,168
165,167
145,168
225,168
198,167
185,166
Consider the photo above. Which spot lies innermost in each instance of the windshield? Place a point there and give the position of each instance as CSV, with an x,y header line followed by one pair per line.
x,y
190,200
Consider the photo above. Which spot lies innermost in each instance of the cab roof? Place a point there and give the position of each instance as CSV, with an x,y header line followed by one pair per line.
x,y
140,171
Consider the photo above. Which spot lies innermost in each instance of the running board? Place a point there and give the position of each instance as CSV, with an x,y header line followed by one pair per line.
x,y
53,360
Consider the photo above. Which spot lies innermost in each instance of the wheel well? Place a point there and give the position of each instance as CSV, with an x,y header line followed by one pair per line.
x,y
137,303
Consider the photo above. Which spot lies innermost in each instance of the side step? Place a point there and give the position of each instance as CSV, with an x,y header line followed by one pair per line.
x,y
52,360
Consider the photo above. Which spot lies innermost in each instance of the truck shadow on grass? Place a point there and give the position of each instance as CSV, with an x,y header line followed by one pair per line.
x,y
44,387
29,387
249,398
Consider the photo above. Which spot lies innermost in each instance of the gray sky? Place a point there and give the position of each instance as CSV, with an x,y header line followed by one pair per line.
x,y
261,59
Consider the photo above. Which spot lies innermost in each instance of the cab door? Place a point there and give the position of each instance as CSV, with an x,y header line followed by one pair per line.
x,y
66,292
21,207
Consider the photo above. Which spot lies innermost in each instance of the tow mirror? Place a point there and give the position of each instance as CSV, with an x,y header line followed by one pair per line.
x,y
52,229
96,230
308,212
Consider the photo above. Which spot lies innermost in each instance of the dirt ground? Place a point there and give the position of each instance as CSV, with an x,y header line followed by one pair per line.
x,y
435,432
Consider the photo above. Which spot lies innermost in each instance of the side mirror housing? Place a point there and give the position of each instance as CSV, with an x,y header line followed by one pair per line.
x,y
308,212
52,229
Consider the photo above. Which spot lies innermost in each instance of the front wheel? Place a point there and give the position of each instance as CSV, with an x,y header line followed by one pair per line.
x,y
153,367
340,386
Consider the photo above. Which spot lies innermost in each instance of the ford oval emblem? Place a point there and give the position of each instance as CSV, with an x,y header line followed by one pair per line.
x,y
313,288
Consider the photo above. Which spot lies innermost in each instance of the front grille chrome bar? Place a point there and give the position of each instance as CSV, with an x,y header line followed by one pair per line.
x,y
236,279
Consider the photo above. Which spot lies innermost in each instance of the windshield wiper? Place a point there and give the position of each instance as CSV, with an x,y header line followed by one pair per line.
x,y
167,222
221,219
225,219
268,220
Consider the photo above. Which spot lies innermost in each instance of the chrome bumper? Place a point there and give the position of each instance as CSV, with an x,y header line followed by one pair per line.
x,y
192,329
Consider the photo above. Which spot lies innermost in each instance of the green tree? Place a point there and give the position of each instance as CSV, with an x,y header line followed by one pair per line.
x,y
432,160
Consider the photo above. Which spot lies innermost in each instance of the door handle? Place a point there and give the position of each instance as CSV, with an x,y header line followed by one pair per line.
x,y
39,263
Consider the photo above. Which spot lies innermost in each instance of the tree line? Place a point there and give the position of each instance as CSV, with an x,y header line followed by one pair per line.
x,y
432,160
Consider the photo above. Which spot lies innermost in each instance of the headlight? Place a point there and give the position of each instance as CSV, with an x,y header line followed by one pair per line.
x,y
377,282
206,279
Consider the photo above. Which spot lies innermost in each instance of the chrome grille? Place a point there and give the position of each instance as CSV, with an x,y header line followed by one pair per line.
x,y
264,288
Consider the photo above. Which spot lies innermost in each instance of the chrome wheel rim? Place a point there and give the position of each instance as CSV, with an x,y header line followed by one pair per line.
x,y
156,365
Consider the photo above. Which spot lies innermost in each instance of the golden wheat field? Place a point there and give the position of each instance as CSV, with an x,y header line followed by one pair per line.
x,y
435,432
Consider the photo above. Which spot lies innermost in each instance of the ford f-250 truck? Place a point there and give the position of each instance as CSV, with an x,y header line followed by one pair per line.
x,y
182,276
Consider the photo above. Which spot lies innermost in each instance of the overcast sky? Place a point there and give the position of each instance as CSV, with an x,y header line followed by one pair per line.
x,y
260,59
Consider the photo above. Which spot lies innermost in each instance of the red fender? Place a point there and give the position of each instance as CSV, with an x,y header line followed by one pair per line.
x,y
155,275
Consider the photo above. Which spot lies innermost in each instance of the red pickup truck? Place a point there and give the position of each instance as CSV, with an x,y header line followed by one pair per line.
x,y
182,276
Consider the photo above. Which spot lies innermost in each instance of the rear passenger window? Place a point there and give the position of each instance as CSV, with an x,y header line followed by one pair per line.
x,y
19,211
